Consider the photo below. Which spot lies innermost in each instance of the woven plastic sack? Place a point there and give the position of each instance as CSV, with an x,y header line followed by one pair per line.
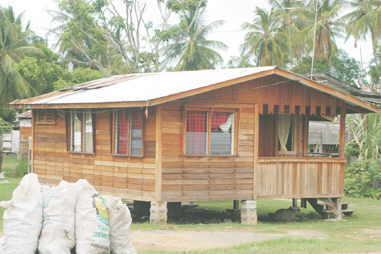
x,y
92,229
23,218
58,231
120,222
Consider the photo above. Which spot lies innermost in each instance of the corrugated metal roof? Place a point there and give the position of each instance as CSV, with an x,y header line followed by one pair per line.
x,y
146,86
26,114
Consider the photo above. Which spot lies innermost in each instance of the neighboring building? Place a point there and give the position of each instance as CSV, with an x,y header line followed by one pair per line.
x,y
234,134
11,141
25,127
323,138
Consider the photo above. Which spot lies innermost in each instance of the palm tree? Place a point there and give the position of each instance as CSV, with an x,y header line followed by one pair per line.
x,y
288,13
81,40
191,50
322,27
364,20
13,46
264,39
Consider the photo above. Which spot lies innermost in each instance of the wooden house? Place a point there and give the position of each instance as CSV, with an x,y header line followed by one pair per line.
x,y
233,134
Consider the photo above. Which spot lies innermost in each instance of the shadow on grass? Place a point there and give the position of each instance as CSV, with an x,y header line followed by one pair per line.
x,y
201,215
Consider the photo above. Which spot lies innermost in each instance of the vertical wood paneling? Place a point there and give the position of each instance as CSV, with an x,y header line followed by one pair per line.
x,y
282,178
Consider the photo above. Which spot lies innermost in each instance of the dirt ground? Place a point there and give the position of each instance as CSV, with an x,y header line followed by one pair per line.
x,y
201,240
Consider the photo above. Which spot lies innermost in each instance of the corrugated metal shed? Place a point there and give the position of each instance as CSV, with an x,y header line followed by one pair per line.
x,y
146,86
323,133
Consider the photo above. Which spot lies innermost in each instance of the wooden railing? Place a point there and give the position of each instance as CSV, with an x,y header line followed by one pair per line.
x,y
299,177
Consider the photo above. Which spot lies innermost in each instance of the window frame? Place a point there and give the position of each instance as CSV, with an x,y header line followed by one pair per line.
x,y
83,133
115,134
209,112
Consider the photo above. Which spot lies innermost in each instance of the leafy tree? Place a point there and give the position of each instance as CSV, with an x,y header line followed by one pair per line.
x,y
188,45
363,175
13,46
264,40
342,67
42,71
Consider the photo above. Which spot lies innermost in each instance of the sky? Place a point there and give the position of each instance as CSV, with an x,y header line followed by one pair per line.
x,y
233,12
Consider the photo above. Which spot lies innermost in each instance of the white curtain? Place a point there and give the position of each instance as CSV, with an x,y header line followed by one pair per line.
x,y
89,145
225,127
283,129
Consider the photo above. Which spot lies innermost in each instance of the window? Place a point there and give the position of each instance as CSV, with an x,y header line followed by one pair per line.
x,y
208,126
45,117
82,132
128,129
286,134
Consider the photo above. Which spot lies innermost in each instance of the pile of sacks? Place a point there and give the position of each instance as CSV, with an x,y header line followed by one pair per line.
x,y
67,218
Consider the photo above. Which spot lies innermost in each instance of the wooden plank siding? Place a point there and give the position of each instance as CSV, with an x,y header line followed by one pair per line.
x,y
131,178
304,177
187,178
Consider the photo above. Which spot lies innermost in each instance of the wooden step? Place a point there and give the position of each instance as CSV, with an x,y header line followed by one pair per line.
x,y
348,212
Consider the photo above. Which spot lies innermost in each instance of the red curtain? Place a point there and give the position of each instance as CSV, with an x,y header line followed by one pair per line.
x,y
196,121
123,134
196,132
136,120
219,118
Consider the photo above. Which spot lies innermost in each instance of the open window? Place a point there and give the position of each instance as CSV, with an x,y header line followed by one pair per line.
x,y
286,134
82,132
209,133
128,133
282,135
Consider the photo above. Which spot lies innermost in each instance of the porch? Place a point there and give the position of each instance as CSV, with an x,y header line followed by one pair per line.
x,y
288,166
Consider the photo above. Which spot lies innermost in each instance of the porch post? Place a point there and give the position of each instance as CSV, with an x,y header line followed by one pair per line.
x,y
158,212
249,212
342,135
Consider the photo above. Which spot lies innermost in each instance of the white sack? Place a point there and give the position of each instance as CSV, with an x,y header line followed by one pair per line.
x,y
120,222
2,245
23,217
58,231
92,229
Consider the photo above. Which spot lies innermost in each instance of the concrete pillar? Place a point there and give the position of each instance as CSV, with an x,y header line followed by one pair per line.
x,y
339,212
158,212
249,212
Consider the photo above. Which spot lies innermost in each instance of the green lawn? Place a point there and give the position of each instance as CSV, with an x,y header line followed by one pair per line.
x,y
9,167
345,236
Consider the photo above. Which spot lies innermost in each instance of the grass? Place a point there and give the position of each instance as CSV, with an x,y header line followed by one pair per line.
x,y
9,167
345,236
